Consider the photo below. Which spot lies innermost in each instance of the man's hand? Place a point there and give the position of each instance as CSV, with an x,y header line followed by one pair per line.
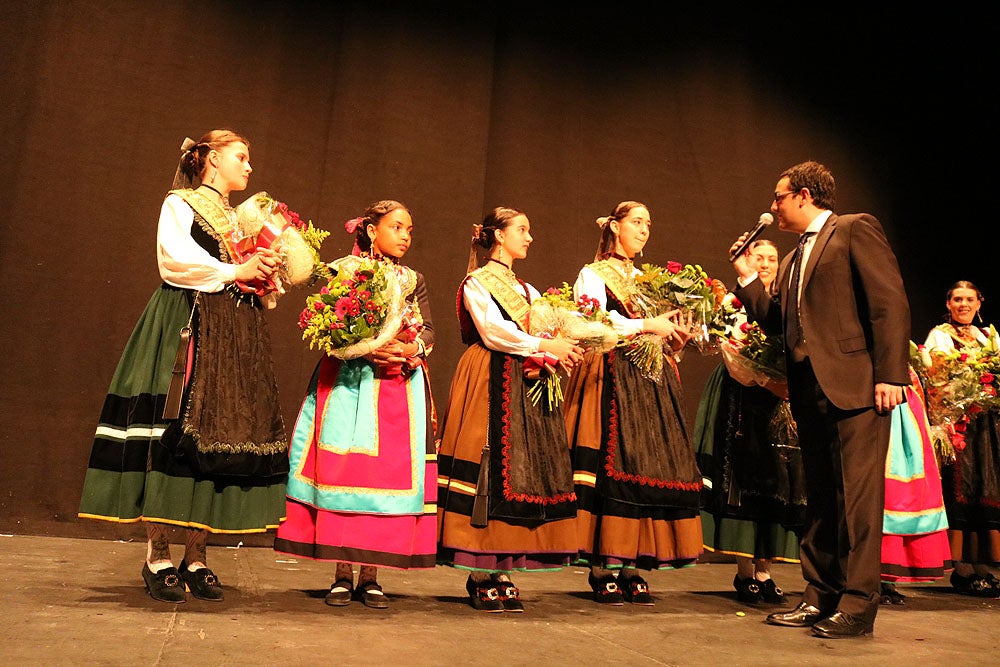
x,y
887,397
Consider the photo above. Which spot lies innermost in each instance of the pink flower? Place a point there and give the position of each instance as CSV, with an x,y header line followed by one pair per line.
x,y
318,306
342,306
963,357
674,267
324,290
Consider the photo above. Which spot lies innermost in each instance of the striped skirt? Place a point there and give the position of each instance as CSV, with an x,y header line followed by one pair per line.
x,y
223,464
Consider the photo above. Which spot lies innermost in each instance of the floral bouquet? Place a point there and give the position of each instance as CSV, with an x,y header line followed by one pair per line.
x,y
264,222
659,289
958,384
361,308
556,315
752,357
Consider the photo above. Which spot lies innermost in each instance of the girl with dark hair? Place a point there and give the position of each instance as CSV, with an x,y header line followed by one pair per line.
x,y
361,487
971,482
191,433
636,478
505,489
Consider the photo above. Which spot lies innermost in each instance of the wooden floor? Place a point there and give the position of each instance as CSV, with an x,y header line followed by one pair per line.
x,y
70,601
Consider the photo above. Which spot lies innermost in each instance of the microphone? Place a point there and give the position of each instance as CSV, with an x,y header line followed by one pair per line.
x,y
765,220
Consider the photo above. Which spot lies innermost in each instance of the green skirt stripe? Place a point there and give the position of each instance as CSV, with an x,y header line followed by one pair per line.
x,y
182,502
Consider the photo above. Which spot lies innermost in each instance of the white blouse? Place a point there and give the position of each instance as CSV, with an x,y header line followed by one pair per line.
x,y
590,284
939,339
182,262
498,333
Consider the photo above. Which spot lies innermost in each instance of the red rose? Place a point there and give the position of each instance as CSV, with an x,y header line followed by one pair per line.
x,y
737,303
746,327
674,267
986,378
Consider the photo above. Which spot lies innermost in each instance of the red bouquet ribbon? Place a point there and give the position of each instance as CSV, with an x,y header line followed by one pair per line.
x,y
540,364
248,247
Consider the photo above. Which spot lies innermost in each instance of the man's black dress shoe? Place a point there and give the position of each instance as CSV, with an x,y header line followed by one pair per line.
x,y
801,617
842,625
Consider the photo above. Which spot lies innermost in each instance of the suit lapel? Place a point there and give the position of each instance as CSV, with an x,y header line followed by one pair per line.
x,y
783,280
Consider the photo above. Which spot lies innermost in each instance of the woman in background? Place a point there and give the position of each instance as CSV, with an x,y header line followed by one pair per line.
x,y
754,501
971,481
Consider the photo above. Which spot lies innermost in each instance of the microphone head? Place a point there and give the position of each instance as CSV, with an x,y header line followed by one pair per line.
x,y
766,218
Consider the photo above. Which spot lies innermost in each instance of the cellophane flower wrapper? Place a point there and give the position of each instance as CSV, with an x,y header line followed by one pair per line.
x,y
261,221
555,314
958,384
752,357
361,308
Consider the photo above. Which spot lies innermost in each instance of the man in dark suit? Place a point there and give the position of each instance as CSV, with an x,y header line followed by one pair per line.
x,y
845,317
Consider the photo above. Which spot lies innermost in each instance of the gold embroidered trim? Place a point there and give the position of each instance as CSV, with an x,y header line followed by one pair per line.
x,y
615,282
512,301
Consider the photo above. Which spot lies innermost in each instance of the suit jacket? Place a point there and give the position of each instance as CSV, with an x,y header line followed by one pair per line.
x,y
855,316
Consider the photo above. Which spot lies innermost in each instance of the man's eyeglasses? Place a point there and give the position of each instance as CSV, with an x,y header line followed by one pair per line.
x,y
778,196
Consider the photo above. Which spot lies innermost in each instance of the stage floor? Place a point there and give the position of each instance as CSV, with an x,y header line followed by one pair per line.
x,y
74,601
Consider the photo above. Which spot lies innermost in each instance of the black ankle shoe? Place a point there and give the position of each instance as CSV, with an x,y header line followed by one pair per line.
x,y
889,595
606,589
748,591
771,594
164,585
510,596
974,585
202,583
635,590
370,594
340,594
483,595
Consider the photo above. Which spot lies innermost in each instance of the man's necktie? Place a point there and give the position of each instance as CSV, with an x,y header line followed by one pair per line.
x,y
793,325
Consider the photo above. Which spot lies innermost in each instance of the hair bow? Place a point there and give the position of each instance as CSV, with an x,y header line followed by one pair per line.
x,y
352,225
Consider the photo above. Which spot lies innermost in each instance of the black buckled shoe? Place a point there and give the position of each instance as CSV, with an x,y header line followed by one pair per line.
x,y
606,589
510,595
202,583
165,585
974,585
889,595
370,594
993,583
802,616
748,590
842,625
771,594
483,595
341,592
636,590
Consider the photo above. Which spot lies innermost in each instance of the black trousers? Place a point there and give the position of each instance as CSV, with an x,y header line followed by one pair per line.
x,y
843,454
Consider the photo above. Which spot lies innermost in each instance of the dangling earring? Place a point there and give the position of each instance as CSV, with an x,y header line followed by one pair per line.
x,y
979,317
212,180
500,256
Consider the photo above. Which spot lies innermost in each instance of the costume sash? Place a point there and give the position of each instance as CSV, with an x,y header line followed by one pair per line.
x,y
960,343
214,215
515,304
616,283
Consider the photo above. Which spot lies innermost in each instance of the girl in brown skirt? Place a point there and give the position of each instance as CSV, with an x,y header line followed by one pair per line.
x,y
637,482
505,486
